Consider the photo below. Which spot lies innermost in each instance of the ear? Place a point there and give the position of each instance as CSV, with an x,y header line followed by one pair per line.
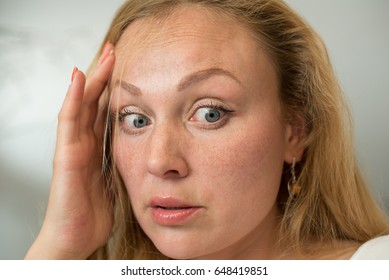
x,y
295,136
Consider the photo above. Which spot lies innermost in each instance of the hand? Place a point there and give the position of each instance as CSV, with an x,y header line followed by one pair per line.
x,y
79,216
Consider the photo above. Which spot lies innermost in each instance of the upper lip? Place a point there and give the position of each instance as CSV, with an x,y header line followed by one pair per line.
x,y
170,202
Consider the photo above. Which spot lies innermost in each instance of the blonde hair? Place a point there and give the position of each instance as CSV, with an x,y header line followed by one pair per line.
x,y
334,203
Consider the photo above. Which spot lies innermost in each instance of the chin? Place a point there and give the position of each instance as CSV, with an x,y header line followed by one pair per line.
x,y
178,252
180,249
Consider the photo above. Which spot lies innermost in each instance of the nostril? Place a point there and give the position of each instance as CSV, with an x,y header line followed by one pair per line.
x,y
172,172
165,156
168,168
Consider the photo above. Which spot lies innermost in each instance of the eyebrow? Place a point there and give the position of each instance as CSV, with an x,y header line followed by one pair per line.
x,y
130,88
204,75
186,82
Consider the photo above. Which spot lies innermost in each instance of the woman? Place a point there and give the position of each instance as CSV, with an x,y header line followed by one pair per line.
x,y
220,132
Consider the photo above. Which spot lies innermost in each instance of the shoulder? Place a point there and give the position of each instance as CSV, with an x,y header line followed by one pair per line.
x,y
374,249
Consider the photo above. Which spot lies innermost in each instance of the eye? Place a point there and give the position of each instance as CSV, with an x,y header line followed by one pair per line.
x,y
132,122
136,120
210,115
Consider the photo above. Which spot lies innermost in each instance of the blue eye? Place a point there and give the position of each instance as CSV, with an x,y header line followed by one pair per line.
x,y
210,115
135,120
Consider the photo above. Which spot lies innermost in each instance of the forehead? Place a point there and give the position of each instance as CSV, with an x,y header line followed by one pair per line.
x,y
190,22
190,38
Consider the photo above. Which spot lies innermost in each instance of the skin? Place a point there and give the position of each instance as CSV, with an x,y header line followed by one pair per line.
x,y
231,168
78,218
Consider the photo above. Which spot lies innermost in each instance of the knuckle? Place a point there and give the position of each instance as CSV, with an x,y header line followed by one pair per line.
x,y
61,115
64,116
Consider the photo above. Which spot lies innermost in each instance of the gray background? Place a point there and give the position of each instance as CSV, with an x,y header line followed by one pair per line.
x,y
41,41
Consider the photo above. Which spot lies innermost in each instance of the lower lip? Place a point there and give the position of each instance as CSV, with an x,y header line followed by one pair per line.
x,y
173,217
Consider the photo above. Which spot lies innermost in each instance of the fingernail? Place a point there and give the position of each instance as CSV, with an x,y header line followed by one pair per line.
x,y
75,69
105,56
106,45
104,52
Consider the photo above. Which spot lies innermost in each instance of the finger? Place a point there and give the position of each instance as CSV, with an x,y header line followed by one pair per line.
x,y
93,90
69,116
101,117
98,80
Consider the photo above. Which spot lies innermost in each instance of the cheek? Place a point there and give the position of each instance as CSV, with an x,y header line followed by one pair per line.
x,y
229,167
129,158
240,178
247,160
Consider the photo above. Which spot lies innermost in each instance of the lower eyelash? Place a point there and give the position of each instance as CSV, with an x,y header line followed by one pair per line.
x,y
119,116
221,122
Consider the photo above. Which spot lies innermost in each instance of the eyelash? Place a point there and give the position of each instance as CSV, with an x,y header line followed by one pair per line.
x,y
119,116
221,108
213,106
124,113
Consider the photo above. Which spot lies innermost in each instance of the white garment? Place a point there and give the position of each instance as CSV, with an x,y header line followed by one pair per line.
x,y
374,249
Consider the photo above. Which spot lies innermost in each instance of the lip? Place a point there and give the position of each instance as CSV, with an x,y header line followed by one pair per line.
x,y
169,211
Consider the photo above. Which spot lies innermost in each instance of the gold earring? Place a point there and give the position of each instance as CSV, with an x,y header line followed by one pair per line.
x,y
293,188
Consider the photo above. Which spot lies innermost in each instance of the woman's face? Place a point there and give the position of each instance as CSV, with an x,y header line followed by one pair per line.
x,y
201,142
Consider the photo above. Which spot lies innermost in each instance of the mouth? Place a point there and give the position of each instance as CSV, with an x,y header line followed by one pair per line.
x,y
168,211
172,208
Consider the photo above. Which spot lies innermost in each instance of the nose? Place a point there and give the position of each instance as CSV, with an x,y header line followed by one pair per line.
x,y
166,158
